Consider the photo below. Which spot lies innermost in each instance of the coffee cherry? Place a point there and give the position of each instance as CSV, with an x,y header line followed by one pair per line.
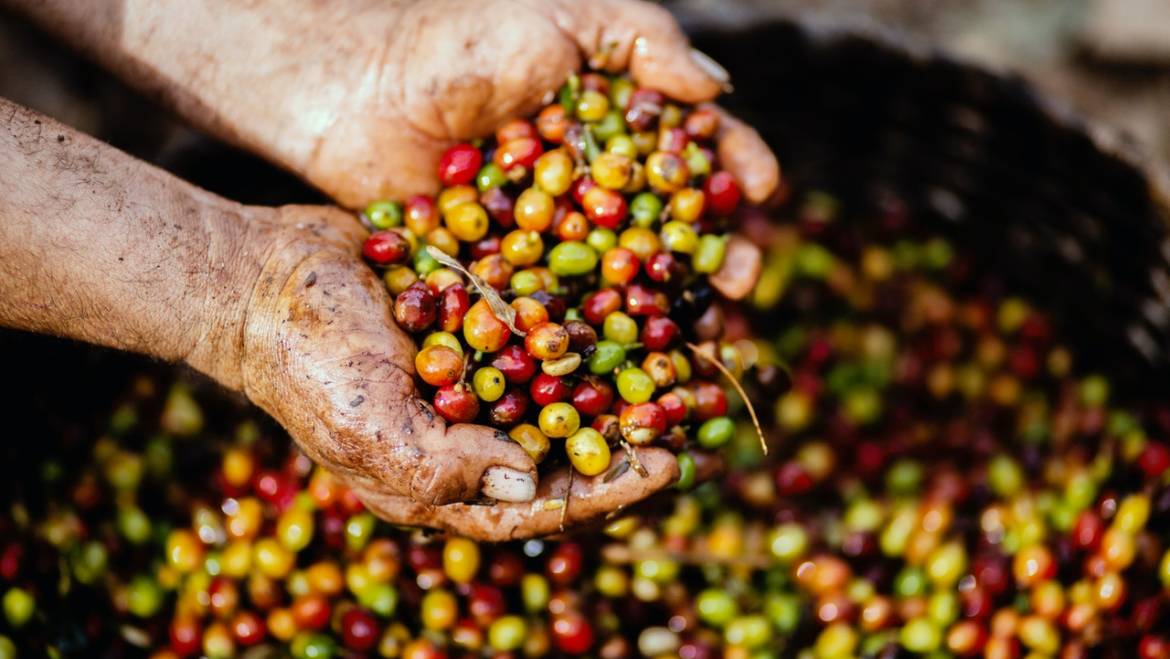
x,y
642,423
482,330
459,164
453,303
547,341
658,332
522,247
547,389
414,308
518,153
532,440
587,451
489,383
619,266
456,403
559,420
517,365
509,409
438,365
386,248
721,193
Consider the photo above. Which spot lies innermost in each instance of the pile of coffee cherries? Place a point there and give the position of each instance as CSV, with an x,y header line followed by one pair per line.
x,y
551,283
943,481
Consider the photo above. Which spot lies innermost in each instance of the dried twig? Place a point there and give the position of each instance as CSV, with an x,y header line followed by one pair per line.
x,y
738,388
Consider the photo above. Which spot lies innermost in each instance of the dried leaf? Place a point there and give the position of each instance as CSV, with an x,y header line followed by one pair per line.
x,y
618,469
500,309
738,388
632,455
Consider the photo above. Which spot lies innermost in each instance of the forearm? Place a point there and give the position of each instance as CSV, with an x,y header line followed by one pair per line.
x,y
205,59
100,247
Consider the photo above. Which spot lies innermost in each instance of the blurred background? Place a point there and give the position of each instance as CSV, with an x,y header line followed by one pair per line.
x,y
1107,59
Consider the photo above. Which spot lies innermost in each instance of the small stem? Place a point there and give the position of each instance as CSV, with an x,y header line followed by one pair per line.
x,y
568,495
738,388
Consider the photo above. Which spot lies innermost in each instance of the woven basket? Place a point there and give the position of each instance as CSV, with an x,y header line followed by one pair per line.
x,y
1028,188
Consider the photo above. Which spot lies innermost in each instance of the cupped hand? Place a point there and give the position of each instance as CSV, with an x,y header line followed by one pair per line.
x,y
320,352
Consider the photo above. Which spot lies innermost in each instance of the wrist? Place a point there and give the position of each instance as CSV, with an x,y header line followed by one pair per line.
x,y
258,258
237,245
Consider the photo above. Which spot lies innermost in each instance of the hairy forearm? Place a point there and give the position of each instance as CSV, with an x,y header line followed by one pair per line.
x,y
100,247
228,66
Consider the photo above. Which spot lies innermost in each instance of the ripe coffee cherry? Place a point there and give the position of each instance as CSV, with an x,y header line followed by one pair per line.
x,y
438,365
359,630
645,301
453,305
546,389
604,207
658,332
722,193
547,341
662,267
515,363
456,403
482,330
459,164
414,308
642,423
593,396
517,153
386,248
572,633
673,407
600,304
710,401
509,409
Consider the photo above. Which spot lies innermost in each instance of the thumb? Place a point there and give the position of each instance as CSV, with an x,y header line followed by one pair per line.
x,y
643,38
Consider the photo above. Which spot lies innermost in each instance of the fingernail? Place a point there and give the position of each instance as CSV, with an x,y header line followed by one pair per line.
x,y
713,69
506,484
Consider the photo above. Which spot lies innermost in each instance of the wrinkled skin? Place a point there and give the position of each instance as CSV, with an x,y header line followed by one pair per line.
x,y
360,98
321,353
441,78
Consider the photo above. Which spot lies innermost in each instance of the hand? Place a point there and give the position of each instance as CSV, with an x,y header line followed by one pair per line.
x,y
360,98
426,74
320,352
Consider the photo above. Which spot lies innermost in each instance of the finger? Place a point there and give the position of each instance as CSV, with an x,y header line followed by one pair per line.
x,y
629,34
744,153
591,499
339,228
708,465
500,467
456,462
740,270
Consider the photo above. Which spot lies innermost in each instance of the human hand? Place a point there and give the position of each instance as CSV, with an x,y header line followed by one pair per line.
x,y
440,72
318,349
361,98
